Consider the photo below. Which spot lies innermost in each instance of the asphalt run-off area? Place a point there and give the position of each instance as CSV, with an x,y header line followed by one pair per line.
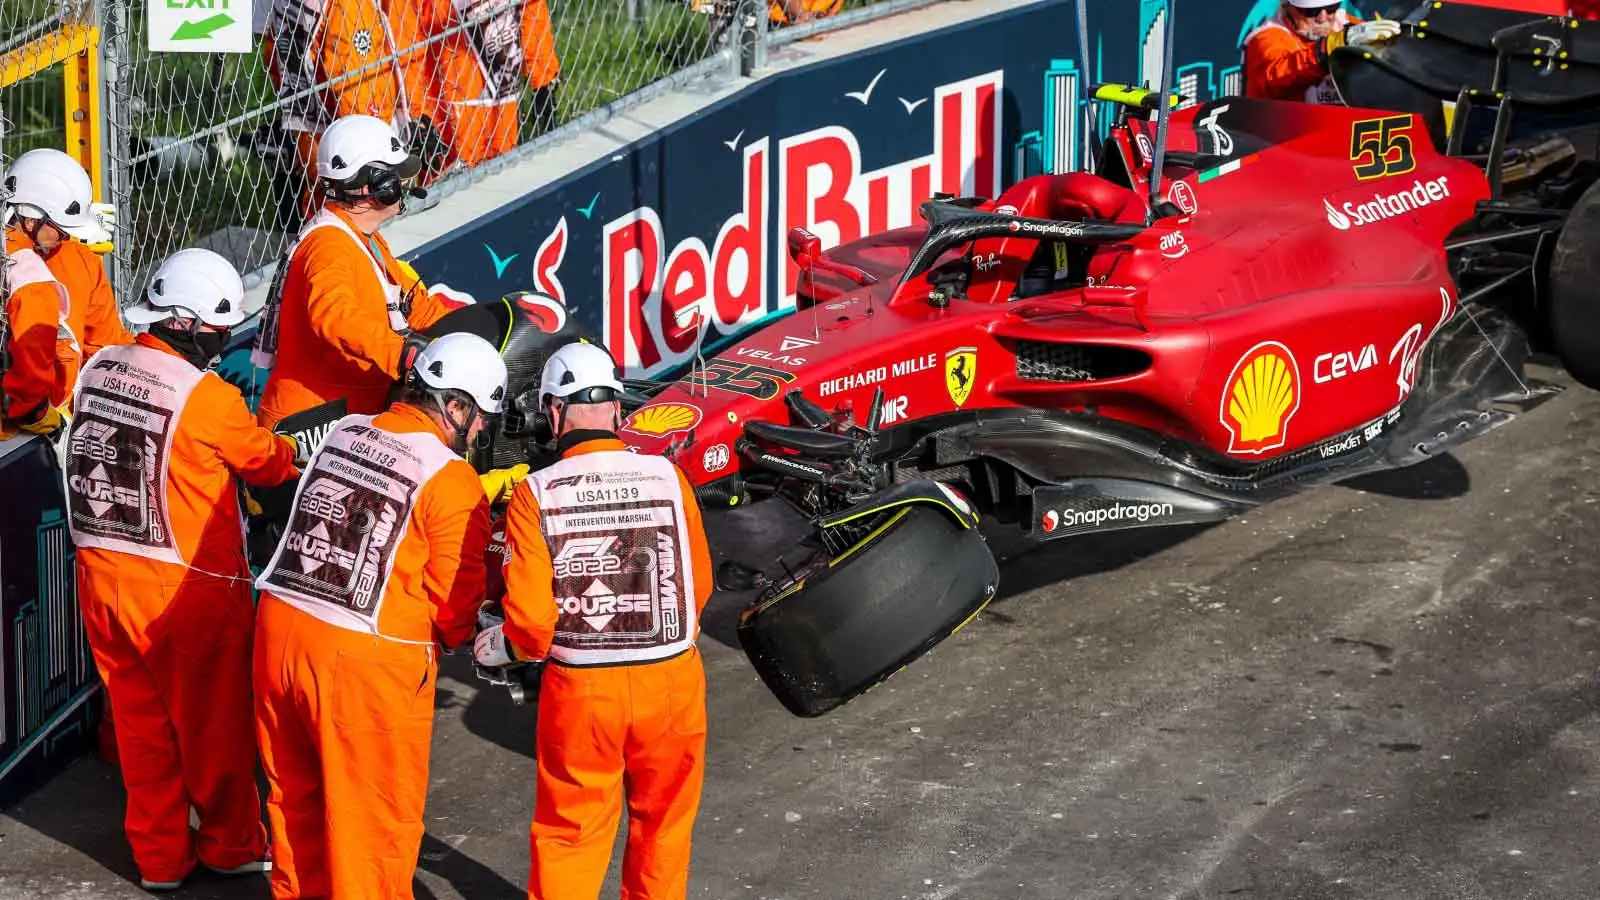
x,y
1381,688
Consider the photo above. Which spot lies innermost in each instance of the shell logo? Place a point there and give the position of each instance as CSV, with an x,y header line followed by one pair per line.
x,y
663,419
1261,395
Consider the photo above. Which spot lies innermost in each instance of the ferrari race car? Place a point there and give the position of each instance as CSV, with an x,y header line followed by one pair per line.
x,y
1242,299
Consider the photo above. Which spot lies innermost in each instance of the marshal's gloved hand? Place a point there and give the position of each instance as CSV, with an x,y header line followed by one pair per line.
x,y
52,421
499,483
415,343
1361,34
302,454
491,649
100,232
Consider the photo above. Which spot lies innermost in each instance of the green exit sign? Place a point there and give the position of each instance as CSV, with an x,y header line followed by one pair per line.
x,y
200,26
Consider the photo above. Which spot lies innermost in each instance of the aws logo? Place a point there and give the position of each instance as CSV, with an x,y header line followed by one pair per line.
x,y
1261,395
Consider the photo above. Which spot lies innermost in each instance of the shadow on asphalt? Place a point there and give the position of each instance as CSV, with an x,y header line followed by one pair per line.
x,y
1439,478
469,877
93,784
89,783
1027,564
491,714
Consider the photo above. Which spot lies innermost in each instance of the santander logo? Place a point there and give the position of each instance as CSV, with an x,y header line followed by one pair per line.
x,y
659,296
1388,206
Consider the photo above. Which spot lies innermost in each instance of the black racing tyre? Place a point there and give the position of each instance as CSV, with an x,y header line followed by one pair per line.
x,y
1574,298
845,624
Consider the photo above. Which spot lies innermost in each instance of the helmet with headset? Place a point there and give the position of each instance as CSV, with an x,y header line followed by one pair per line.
x,y
362,158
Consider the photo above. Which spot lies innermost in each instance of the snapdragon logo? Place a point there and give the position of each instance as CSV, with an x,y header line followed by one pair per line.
x,y
1387,206
1122,512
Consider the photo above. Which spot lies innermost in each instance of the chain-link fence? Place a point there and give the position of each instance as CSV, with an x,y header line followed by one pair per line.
x,y
37,39
218,150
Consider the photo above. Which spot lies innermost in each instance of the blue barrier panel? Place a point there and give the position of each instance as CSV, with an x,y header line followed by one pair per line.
x,y
49,702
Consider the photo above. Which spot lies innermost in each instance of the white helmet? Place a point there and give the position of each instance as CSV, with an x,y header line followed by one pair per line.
x,y
467,363
49,184
192,284
1313,4
580,372
353,142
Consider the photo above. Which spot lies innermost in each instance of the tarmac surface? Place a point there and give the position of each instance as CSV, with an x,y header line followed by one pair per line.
x,y
1384,688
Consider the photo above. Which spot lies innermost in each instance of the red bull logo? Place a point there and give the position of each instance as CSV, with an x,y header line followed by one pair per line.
x,y
659,298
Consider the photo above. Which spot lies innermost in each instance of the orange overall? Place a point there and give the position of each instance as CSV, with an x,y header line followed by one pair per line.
x,y
1279,64
344,680
165,594
33,380
622,699
466,82
335,338
313,51
93,317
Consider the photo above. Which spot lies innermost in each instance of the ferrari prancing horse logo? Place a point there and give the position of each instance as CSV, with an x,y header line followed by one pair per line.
x,y
960,368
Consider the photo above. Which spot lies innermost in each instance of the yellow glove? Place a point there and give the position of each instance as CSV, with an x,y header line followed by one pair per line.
x,y
301,457
53,420
412,281
251,507
99,233
499,483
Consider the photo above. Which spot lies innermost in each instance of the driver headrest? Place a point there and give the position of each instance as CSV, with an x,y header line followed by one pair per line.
x,y
1073,195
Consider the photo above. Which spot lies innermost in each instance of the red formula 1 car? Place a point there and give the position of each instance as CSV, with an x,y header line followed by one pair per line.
x,y
1071,357
1243,299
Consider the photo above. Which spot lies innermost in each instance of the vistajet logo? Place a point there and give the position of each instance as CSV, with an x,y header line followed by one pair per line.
x,y
1388,206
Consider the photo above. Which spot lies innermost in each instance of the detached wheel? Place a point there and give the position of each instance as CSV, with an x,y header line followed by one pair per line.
x,y
851,619
1575,291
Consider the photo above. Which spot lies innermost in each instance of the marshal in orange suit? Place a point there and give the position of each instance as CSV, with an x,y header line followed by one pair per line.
x,y
1286,58
622,701
152,456
381,562
345,323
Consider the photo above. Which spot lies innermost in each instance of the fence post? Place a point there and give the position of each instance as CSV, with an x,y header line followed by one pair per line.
x,y
751,37
114,59
5,264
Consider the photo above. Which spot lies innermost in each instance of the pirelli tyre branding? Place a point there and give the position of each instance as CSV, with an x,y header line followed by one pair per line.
x,y
349,516
128,402
618,580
